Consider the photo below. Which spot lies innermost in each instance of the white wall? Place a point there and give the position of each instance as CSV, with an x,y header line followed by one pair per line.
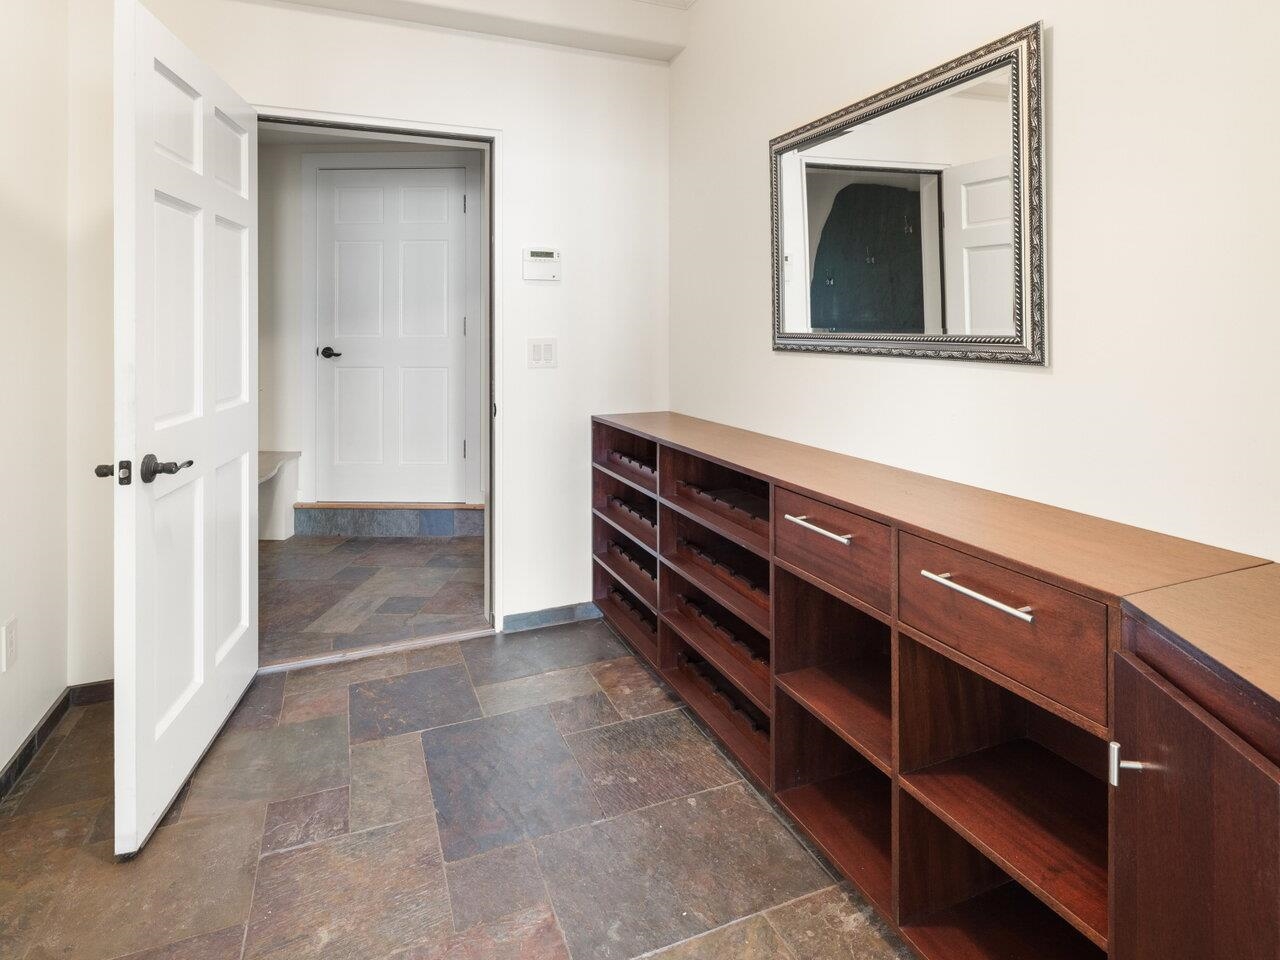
x,y
33,387
582,165
90,344
1159,407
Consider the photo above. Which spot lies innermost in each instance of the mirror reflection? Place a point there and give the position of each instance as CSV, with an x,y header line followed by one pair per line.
x,y
903,225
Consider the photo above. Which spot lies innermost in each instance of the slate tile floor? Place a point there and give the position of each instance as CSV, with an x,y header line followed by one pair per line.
x,y
319,595
534,796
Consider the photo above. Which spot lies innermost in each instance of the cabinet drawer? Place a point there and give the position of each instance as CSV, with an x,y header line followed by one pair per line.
x,y
861,566
1061,653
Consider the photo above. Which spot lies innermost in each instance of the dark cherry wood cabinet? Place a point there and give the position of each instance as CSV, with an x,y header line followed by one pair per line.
x,y
930,680
1197,841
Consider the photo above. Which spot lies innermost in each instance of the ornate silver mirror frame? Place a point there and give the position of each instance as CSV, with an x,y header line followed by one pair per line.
x,y
1022,52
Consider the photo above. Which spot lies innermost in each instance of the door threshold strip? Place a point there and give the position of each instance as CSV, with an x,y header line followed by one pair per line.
x,y
363,653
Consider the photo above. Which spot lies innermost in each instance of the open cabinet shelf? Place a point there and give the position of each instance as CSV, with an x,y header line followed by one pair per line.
x,y
631,458
629,510
733,504
627,562
1001,924
1054,842
834,660
955,904
1022,786
853,701
837,797
737,650
637,624
735,578
739,723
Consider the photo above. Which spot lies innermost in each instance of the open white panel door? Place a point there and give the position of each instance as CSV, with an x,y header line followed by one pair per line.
x,y
186,355
977,211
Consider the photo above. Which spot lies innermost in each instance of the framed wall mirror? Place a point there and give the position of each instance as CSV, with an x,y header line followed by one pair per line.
x,y
912,222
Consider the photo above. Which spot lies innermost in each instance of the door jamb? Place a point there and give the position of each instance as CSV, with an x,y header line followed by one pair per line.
x,y
491,137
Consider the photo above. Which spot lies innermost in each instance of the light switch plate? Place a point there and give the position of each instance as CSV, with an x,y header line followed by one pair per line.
x,y
542,354
8,644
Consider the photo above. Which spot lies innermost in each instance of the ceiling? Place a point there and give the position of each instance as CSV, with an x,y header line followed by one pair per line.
x,y
649,29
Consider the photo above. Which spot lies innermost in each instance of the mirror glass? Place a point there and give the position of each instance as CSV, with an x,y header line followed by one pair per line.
x,y
904,224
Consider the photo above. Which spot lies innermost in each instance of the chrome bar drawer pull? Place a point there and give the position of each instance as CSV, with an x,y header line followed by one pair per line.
x,y
804,522
1115,764
1022,613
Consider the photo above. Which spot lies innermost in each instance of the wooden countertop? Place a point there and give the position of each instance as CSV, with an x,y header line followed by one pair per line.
x,y
1232,619
1097,557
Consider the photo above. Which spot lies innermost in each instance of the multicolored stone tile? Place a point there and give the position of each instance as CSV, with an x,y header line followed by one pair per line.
x,y
639,762
194,877
219,945
341,675
361,895
495,884
55,788
411,702
437,655
312,705
259,708
388,782
749,939
509,656
528,935
303,820
37,856
504,779
511,695
666,873
836,923
257,767
632,689
584,713
93,740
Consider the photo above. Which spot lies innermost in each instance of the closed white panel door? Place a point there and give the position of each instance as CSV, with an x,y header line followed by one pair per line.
x,y
186,386
977,203
391,299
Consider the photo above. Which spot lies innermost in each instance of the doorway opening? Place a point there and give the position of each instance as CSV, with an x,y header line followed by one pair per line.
x,y
375,393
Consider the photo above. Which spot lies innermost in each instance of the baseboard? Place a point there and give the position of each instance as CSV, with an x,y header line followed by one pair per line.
x,y
80,694
86,693
552,616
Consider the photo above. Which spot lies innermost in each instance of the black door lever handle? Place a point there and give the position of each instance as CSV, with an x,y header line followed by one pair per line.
x,y
104,470
151,467
329,353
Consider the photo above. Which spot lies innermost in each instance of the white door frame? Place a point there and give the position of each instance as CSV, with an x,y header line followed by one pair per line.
x,y
489,139
477,269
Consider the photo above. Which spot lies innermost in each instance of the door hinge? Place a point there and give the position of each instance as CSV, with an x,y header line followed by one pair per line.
x,y
464,326
464,449
464,203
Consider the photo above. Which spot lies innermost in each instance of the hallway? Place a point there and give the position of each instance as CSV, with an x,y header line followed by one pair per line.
x,y
324,595
535,796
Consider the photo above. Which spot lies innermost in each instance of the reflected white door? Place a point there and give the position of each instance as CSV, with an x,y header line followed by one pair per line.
x,y
977,207
186,351
391,279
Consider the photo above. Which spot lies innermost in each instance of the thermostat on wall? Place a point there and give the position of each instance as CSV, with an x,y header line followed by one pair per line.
x,y
541,263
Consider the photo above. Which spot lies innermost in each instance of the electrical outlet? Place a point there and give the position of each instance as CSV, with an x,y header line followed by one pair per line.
x,y
8,644
542,354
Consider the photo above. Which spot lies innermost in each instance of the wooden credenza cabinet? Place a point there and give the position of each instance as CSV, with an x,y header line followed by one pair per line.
x,y
928,679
